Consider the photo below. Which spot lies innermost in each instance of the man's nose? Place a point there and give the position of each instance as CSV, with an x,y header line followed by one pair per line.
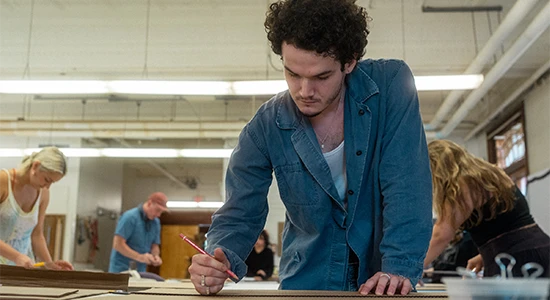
x,y
306,88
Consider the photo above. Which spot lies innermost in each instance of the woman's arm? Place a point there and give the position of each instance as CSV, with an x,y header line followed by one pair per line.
x,y
446,226
11,254
442,234
39,245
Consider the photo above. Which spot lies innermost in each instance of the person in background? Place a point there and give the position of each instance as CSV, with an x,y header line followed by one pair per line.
x,y
260,260
457,254
348,149
24,198
137,236
472,194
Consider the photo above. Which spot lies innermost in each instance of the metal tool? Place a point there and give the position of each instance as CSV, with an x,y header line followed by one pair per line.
x,y
505,270
466,272
531,266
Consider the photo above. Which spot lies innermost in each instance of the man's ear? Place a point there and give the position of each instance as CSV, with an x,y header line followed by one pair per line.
x,y
348,67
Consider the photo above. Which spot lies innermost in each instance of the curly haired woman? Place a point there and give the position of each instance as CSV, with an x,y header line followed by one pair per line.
x,y
472,194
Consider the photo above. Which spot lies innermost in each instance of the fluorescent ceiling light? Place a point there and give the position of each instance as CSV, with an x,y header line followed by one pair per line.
x,y
193,204
230,88
259,87
12,153
206,153
448,82
136,152
147,87
125,152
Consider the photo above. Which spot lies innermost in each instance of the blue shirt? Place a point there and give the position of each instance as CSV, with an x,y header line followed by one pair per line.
x,y
140,234
388,219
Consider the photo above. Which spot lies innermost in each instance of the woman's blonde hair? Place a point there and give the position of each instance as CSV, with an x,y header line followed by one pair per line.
x,y
455,171
51,160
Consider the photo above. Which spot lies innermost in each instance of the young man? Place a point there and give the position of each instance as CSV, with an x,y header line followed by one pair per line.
x,y
137,236
347,145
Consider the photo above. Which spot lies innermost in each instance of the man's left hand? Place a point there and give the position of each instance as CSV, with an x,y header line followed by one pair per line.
x,y
157,261
384,283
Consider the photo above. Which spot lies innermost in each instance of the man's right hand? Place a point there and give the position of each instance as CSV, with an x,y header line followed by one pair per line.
x,y
146,258
24,261
208,273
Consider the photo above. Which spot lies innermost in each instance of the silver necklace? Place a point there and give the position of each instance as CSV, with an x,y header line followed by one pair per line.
x,y
331,125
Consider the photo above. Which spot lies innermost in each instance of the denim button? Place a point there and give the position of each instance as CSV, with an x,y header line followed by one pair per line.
x,y
350,192
359,152
361,112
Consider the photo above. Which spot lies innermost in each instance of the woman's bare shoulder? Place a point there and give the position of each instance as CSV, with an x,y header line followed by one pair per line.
x,y
3,186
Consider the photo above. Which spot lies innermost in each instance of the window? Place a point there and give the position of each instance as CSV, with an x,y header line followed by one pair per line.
x,y
507,149
510,147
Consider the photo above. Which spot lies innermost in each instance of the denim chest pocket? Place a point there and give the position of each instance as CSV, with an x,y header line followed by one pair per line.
x,y
296,185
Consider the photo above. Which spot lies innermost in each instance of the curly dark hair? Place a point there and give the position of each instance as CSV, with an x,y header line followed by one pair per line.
x,y
336,28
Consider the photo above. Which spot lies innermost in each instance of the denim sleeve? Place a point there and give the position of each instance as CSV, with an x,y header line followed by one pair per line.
x,y
125,226
405,181
238,223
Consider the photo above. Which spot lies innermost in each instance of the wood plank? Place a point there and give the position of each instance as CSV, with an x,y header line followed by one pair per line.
x,y
175,253
18,276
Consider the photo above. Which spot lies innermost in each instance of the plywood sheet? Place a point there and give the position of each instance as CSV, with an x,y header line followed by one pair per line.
x,y
272,297
137,284
32,293
276,294
18,276
431,287
6,291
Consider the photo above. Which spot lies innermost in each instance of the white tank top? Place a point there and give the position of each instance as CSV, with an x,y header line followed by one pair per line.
x,y
337,163
16,225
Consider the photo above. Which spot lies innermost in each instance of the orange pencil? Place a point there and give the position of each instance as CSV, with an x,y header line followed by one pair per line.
x,y
39,264
233,275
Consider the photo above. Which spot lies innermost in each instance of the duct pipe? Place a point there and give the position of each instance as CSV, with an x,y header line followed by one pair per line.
x,y
125,134
157,166
528,83
528,37
516,14
121,125
430,135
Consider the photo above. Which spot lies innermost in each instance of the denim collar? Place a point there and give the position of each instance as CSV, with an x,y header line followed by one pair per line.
x,y
359,88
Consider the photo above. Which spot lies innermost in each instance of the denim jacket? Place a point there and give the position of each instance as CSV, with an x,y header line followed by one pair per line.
x,y
388,218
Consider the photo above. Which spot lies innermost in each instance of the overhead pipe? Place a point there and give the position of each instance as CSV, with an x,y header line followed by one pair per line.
x,y
527,84
126,134
121,129
157,166
516,14
526,39
122,125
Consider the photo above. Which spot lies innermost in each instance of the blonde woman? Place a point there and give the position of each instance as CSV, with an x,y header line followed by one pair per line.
x,y
24,197
472,194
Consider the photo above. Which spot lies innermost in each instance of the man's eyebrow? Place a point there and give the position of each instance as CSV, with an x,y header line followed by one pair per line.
x,y
317,75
